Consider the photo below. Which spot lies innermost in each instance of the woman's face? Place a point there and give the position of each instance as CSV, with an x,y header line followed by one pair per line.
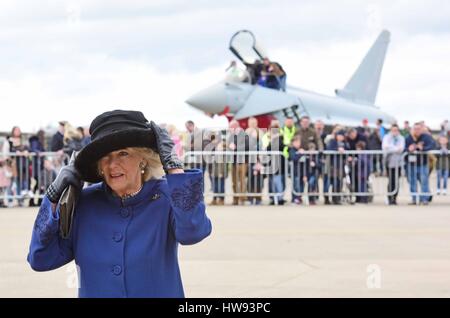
x,y
121,171
17,132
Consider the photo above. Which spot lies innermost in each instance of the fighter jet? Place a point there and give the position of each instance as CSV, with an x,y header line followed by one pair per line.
x,y
239,96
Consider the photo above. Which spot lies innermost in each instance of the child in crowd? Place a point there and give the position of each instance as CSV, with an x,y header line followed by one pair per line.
x,y
302,169
336,163
313,173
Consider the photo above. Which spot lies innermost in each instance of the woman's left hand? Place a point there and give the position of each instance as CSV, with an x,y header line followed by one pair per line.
x,y
166,149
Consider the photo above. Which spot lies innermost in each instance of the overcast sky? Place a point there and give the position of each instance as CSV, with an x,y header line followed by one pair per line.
x,y
75,59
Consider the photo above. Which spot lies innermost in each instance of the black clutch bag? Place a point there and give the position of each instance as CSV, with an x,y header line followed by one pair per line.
x,y
67,204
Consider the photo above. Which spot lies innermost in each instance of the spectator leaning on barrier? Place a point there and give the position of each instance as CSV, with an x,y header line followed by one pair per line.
x,y
354,137
416,144
325,163
361,169
238,141
374,143
393,144
297,158
309,134
255,178
432,159
218,171
314,169
319,127
22,176
336,164
304,167
194,142
442,165
278,174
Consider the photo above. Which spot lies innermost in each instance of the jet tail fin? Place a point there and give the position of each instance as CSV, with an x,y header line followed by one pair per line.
x,y
363,85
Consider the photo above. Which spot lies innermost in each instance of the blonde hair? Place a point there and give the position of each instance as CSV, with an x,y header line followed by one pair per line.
x,y
71,132
171,129
153,168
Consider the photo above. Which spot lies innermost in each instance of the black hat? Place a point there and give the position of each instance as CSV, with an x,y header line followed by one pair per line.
x,y
111,131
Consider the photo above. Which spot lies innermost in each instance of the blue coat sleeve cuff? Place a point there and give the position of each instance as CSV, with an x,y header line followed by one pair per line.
x,y
189,219
46,225
186,189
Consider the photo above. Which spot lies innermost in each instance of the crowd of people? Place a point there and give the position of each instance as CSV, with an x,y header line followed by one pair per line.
x,y
263,72
29,165
343,156
306,153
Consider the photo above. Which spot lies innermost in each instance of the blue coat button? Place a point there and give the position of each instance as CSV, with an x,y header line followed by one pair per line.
x,y
117,237
124,213
117,269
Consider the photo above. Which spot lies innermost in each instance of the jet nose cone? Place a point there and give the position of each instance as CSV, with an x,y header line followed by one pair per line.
x,y
211,100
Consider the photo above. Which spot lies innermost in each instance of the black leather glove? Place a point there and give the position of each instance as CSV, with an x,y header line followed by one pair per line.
x,y
67,176
165,148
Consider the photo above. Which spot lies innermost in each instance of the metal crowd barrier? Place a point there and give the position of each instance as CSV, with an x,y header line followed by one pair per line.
x,y
346,176
420,170
26,175
349,176
250,174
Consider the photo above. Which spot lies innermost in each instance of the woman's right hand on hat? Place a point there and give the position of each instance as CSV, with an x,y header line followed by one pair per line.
x,y
67,176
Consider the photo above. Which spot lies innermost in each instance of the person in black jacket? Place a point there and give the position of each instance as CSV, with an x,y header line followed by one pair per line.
x,y
375,143
336,162
57,143
304,170
353,137
361,168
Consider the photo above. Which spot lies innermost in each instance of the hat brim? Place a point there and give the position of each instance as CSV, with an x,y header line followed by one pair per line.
x,y
87,159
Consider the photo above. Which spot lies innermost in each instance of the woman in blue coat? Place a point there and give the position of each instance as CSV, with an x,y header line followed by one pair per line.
x,y
127,225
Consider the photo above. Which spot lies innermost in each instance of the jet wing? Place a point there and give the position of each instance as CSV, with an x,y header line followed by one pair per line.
x,y
265,100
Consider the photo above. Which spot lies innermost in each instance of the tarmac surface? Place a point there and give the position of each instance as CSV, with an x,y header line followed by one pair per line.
x,y
283,251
